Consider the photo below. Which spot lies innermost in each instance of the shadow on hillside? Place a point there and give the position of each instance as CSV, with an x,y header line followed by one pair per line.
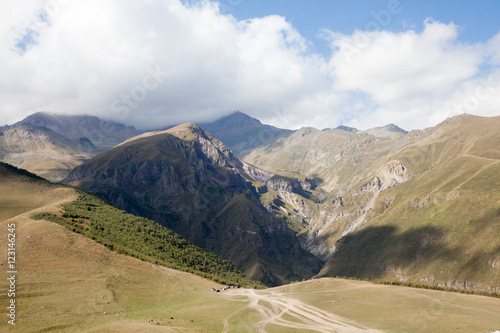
x,y
373,251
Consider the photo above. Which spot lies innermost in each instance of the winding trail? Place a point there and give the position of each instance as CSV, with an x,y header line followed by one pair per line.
x,y
493,161
272,308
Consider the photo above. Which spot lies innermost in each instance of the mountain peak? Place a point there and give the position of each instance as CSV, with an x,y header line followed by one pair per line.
x,y
186,131
237,118
387,131
347,129
242,133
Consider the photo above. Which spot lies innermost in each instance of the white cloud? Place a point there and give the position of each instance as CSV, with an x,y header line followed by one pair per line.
x,y
413,79
153,63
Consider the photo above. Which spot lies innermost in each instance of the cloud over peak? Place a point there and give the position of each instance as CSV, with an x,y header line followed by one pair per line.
x,y
154,63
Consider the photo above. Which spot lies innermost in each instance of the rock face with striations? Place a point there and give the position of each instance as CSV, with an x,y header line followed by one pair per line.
x,y
190,182
284,184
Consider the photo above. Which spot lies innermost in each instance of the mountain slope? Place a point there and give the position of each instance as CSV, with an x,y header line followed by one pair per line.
x,y
95,134
443,225
379,196
187,180
341,163
69,283
243,133
66,282
337,158
88,215
22,191
40,150
51,145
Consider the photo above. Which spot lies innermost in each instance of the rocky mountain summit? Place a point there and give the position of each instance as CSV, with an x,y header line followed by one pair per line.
x,y
243,133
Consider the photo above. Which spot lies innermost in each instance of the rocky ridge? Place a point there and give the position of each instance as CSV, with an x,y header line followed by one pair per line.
x,y
190,182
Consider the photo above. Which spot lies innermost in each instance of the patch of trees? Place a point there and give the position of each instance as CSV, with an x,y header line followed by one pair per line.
x,y
144,239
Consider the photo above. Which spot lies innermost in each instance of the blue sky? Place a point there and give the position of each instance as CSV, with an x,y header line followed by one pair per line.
x,y
479,20
290,63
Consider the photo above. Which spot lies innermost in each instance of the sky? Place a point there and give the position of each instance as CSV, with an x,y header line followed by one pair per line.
x,y
291,64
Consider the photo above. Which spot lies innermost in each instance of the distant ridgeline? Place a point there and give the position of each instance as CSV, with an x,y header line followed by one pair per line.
x,y
144,239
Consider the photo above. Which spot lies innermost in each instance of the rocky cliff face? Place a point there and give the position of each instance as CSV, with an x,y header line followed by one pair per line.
x,y
348,213
284,184
190,182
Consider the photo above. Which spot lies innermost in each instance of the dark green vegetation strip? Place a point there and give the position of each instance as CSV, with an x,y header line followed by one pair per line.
x,y
433,287
144,239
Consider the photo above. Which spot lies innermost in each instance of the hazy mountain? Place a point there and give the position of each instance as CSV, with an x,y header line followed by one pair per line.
x,y
387,131
243,133
347,128
51,145
189,181
96,134
40,150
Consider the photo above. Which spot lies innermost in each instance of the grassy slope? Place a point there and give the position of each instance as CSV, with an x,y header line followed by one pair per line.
x,y
444,224
143,238
20,194
65,282
114,228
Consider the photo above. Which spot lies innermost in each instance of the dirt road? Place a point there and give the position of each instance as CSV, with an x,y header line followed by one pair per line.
x,y
277,309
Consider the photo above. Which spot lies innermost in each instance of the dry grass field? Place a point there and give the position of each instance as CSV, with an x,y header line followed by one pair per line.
x,y
69,283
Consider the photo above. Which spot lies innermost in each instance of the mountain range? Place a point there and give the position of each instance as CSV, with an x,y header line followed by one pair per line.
x,y
420,206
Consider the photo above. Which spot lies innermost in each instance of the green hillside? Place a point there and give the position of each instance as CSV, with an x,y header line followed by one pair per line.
x,y
143,239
